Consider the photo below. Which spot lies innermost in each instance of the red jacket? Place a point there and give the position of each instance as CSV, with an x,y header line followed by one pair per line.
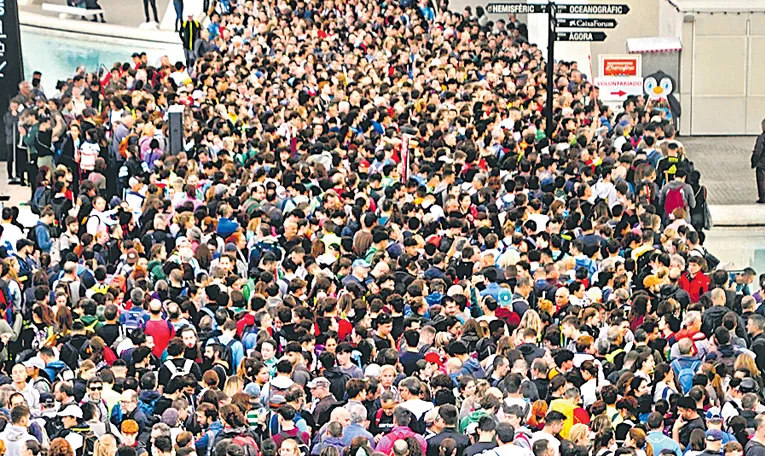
x,y
694,286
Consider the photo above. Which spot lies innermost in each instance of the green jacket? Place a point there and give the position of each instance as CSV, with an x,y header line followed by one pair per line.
x,y
30,140
155,271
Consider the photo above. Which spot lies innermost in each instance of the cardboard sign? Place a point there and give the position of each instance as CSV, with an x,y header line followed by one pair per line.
x,y
621,65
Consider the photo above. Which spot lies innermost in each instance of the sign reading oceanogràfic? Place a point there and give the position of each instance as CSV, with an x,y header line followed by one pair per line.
x,y
581,22
593,9
581,36
515,8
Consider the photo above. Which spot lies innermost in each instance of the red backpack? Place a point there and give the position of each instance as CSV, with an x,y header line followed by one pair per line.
x,y
674,199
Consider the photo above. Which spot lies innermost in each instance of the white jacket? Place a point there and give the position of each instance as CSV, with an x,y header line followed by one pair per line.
x,y
15,437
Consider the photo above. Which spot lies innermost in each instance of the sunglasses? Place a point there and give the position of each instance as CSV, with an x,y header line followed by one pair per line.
x,y
96,388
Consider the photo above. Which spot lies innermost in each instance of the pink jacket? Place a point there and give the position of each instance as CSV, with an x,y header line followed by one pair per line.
x,y
385,445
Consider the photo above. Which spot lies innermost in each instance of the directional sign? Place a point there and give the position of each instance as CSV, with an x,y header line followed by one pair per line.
x,y
593,9
515,8
581,36
618,88
587,23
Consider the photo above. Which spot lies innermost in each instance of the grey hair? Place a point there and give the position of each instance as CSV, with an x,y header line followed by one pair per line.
x,y
358,413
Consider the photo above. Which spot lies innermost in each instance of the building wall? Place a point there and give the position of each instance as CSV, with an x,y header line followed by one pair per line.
x,y
641,22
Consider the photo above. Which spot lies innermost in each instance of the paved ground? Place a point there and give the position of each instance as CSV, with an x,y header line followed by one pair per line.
x,y
128,13
724,166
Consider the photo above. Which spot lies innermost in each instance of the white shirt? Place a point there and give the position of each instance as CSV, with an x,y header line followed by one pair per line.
x,y
554,442
417,406
11,234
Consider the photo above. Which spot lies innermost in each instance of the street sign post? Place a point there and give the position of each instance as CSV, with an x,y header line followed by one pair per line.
x,y
553,22
581,36
593,9
516,8
580,22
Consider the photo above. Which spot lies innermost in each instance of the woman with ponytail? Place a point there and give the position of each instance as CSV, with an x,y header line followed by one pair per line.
x,y
604,443
636,439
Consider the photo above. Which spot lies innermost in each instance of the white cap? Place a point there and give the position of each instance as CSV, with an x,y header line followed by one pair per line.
x,y
71,410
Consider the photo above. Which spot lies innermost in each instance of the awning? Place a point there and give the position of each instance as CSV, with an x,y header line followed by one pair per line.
x,y
653,45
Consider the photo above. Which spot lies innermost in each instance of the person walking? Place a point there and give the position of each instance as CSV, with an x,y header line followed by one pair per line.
x,y
189,35
758,164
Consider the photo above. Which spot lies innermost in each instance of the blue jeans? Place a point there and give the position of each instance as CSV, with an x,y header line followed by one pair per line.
x,y
178,5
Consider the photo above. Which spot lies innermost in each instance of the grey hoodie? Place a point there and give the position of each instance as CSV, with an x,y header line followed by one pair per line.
x,y
690,201
15,437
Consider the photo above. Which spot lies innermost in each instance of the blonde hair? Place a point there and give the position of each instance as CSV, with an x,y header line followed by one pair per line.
x,y
747,362
577,432
105,446
233,385
531,320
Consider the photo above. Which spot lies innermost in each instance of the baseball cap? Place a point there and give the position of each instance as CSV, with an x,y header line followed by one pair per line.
x,y
505,297
317,382
747,385
132,256
276,401
434,358
35,362
714,435
71,410
361,263
714,414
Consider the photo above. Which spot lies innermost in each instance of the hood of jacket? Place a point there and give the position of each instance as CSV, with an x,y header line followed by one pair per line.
x,y
334,373
148,396
15,433
675,184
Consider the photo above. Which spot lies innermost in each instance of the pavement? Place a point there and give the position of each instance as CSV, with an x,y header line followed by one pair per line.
x,y
723,162
125,13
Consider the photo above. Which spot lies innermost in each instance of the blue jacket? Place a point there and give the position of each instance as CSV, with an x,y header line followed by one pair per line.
x,y
354,430
203,444
43,237
226,227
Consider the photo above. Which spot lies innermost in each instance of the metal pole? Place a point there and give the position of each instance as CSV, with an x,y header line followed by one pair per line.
x,y
551,35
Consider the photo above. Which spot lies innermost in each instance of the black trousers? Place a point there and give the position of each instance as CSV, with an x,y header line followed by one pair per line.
x,y
153,4
760,174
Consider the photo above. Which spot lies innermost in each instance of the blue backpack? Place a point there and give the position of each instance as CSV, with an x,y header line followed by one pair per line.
x,y
685,375
148,407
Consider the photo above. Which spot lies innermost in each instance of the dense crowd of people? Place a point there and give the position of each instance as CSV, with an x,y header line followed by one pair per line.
x,y
365,245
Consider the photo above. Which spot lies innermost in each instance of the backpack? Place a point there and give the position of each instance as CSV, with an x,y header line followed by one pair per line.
x,y
32,234
72,358
133,320
121,336
247,443
148,407
674,199
228,354
40,199
685,376
174,372
89,440
6,300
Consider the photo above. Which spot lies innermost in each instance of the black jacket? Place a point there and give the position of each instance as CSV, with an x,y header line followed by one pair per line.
x,y
434,443
337,380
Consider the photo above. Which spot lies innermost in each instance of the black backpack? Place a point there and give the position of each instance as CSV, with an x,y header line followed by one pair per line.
x,y
228,354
